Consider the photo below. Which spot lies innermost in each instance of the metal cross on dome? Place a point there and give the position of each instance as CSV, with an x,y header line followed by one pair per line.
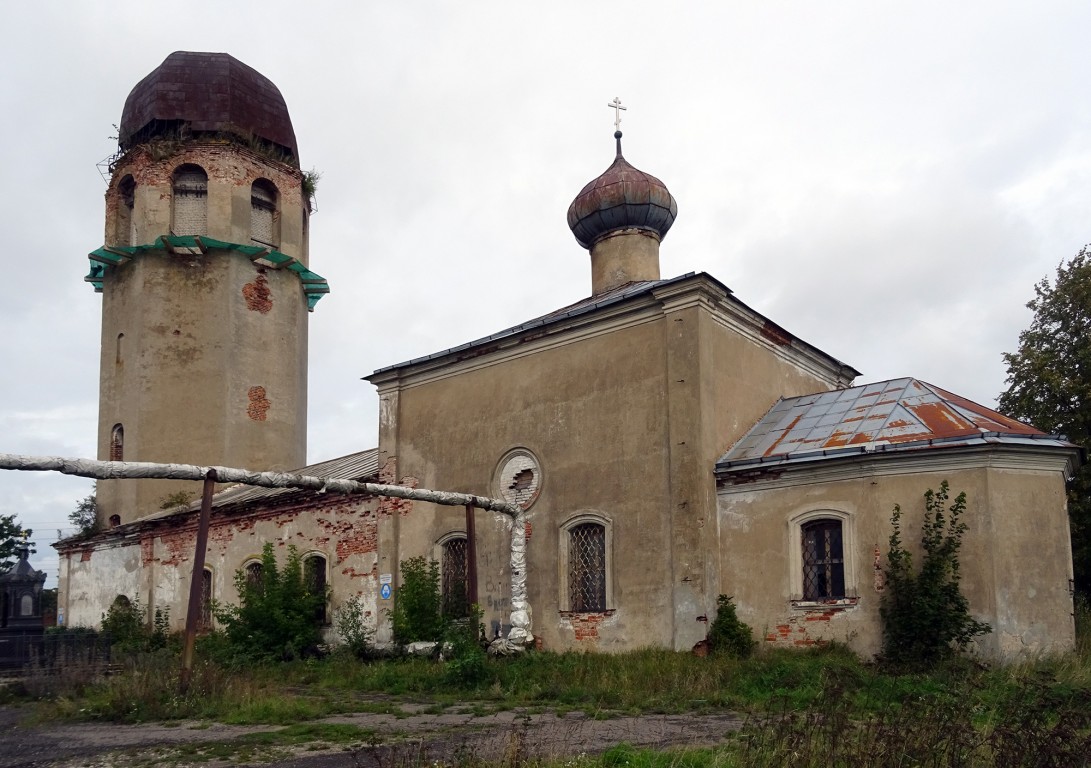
x,y
618,109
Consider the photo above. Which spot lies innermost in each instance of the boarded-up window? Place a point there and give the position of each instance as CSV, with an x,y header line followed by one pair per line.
x,y
314,575
587,567
117,443
263,213
454,578
823,560
126,222
189,204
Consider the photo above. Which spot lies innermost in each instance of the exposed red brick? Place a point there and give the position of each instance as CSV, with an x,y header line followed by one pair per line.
x,y
147,550
259,405
85,555
257,294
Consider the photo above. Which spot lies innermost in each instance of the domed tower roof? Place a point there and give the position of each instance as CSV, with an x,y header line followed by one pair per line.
x,y
621,198
207,93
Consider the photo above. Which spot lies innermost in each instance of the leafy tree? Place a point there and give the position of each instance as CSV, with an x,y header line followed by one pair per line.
x,y
925,615
417,615
85,516
11,533
275,617
1049,384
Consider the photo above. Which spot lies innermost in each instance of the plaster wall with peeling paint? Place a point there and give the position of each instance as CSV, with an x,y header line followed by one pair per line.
x,y
1015,562
203,353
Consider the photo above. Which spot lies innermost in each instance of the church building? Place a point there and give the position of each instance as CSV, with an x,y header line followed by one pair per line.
x,y
667,442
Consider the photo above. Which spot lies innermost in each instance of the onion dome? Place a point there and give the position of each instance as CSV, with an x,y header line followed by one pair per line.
x,y
195,93
621,198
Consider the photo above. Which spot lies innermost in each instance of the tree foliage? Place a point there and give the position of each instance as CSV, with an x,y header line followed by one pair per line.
x,y
417,614
925,615
276,615
1049,384
11,533
85,516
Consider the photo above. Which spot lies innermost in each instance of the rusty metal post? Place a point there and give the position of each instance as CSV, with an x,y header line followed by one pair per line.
x,y
471,558
193,614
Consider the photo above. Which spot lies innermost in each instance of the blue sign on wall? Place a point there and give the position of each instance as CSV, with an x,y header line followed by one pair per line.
x,y
384,591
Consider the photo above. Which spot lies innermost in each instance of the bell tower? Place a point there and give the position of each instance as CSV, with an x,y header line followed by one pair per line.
x,y
205,282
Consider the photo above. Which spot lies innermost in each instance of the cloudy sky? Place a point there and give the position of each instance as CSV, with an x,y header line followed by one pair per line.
x,y
885,180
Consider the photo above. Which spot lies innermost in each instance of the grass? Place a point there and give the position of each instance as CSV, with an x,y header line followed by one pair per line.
x,y
815,707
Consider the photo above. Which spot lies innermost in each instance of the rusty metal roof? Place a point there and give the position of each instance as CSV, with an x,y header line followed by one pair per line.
x,y
363,465
206,93
886,416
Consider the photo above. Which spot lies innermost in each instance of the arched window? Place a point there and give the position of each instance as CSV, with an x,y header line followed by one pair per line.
x,y
189,202
263,213
454,575
206,600
26,604
823,560
314,577
126,222
255,575
587,567
115,520
117,443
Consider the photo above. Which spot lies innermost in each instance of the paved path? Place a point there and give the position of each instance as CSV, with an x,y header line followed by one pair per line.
x,y
413,737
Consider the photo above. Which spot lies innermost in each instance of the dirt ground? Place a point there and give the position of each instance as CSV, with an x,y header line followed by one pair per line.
x,y
415,735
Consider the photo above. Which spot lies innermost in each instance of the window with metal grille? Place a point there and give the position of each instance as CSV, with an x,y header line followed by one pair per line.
x,y
263,213
587,567
314,575
454,578
255,576
823,560
189,202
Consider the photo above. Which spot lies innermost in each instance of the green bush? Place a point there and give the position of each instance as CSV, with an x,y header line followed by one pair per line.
x,y
125,622
925,616
727,634
467,664
416,615
276,615
356,636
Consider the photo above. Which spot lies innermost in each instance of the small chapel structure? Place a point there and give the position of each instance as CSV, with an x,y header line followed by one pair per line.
x,y
667,442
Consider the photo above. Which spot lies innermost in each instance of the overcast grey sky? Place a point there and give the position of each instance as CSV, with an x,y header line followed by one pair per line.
x,y
885,180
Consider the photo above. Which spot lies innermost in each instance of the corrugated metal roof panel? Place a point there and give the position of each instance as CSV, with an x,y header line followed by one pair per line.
x,y
354,466
900,413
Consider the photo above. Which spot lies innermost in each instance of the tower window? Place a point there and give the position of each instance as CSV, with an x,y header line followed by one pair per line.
x,y
189,203
126,222
117,443
263,213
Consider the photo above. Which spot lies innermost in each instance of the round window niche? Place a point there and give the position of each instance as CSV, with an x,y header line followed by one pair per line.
x,y
519,477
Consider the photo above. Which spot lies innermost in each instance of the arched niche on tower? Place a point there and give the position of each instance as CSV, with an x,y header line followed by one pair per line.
x,y
189,200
